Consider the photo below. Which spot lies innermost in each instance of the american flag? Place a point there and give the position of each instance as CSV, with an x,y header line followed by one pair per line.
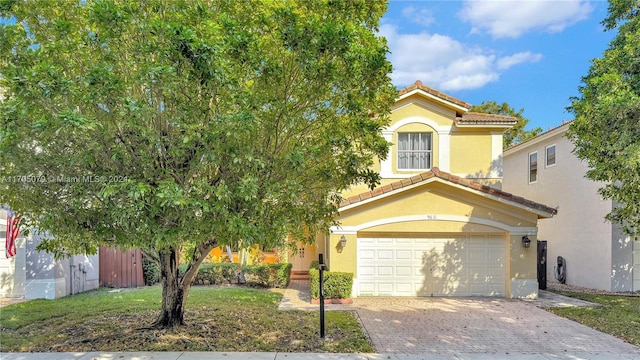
x,y
13,229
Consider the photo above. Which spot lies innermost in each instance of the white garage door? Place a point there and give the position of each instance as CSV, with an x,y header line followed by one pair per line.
x,y
456,265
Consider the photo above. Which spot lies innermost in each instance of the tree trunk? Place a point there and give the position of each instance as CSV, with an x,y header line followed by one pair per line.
x,y
174,291
175,288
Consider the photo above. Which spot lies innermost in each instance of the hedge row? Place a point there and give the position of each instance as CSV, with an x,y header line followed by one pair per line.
x,y
337,285
269,275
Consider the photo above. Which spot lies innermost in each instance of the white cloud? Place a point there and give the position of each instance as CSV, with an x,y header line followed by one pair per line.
x,y
514,18
517,58
444,63
420,16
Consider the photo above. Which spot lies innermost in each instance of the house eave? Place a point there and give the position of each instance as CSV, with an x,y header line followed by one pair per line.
x,y
445,102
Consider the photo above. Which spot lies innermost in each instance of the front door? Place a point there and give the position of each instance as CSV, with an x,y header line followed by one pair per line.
x,y
302,259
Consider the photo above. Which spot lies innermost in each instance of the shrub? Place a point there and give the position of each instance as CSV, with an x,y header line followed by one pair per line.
x,y
150,271
283,274
213,274
314,265
337,285
256,256
269,275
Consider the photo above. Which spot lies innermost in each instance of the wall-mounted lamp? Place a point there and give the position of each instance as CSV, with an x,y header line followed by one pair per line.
x,y
343,241
526,242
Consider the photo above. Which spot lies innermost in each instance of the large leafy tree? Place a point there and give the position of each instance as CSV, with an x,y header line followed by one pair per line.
x,y
606,130
177,126
515,135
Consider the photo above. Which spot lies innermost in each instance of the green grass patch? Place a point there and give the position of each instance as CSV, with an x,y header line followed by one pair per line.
x,y
618,316
218,319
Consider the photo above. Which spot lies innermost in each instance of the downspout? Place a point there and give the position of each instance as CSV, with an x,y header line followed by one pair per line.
x,y
72,271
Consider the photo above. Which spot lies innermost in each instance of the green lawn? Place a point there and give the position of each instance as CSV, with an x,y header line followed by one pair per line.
x,y
218,319
618,315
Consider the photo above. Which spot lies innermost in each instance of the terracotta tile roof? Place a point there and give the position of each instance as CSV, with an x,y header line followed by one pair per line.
x,y
435,172
434,92
476,118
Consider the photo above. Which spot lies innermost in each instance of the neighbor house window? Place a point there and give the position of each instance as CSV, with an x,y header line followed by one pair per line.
x,y
533,167
551,155
414,151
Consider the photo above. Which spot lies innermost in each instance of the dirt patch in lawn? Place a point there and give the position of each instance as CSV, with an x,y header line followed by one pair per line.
x,y
216,320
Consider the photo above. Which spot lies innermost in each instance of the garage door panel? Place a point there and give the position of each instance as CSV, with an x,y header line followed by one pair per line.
x,y
366,254
385,289
404,270
457,265
495,290
404,288
477,271
496,272
419,255
367,288
495,255
367,241
365,271
477,255
478,289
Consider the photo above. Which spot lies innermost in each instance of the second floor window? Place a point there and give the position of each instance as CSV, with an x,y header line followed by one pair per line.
x,y
551,155
414,151
533,167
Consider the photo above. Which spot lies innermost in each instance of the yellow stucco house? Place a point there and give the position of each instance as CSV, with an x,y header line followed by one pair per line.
x,y
438,225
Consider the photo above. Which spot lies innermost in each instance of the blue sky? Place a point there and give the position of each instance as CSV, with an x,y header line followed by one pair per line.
x,y
531,54
528,53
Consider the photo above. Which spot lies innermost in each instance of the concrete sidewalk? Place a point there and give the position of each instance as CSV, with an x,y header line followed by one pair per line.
x,y
299,356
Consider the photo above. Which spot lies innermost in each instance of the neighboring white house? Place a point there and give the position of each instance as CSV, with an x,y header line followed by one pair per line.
x,y
33,274
598,254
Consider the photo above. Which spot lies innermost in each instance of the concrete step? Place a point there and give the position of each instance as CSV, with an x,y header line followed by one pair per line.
x,y
299,275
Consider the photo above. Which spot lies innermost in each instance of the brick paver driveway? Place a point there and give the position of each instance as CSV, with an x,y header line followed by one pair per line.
x,y
478,325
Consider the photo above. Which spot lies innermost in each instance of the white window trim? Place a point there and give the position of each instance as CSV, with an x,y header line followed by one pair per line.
x,y
546,156
429,151
444,146
529,167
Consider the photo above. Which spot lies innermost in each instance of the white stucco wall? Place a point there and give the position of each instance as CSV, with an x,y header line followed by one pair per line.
x,y
48,278
35,274
12,270
596,255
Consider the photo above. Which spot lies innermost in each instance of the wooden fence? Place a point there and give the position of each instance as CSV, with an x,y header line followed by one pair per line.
x,y
120,269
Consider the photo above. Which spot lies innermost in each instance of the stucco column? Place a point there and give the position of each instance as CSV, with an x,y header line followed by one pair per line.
x,y
386,169
444,149
496,155
523,267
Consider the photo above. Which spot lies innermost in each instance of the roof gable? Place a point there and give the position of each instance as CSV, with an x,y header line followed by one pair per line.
x,y
432,93
463,117
435,174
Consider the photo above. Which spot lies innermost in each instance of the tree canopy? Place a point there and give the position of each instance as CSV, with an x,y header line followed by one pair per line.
x,y
177,126
606,130
517,133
